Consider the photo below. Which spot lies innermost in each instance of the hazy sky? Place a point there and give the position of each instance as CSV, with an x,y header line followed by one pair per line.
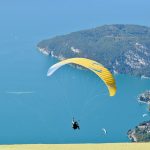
x,y
62,16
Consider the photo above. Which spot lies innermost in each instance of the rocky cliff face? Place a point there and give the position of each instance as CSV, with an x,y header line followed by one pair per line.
x,y
123,49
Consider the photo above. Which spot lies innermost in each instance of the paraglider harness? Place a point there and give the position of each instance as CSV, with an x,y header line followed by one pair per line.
x,y
75,125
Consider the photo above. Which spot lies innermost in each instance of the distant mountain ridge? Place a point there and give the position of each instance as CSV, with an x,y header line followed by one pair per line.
x,y
124,49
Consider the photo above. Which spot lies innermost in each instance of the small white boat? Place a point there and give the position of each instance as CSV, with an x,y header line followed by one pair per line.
x,y
144,115
104,130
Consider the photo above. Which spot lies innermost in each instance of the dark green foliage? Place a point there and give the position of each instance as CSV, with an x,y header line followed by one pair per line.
x,y
108,44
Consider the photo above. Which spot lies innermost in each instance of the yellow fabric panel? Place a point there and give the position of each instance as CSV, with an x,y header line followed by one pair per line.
x,y
97,68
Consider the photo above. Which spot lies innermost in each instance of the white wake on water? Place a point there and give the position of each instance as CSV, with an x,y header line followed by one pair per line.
x,y
19,92
144,77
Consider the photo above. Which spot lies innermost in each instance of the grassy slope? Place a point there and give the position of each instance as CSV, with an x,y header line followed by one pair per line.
x,y
120,146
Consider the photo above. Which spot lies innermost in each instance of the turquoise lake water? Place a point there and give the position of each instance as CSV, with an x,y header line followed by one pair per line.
x,y
35,108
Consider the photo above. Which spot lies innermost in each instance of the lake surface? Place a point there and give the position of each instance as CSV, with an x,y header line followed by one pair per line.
x,y
35,108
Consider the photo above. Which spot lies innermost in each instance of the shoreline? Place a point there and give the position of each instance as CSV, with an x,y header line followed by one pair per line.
x,y
50,53
144,97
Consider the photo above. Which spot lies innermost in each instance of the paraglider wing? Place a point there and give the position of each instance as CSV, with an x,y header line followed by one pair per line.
x,y
94,66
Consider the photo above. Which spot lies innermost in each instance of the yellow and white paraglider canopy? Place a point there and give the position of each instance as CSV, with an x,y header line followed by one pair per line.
x,y
94,66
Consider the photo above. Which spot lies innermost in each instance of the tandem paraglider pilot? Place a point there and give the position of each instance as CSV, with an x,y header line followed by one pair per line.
x,y
75,125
